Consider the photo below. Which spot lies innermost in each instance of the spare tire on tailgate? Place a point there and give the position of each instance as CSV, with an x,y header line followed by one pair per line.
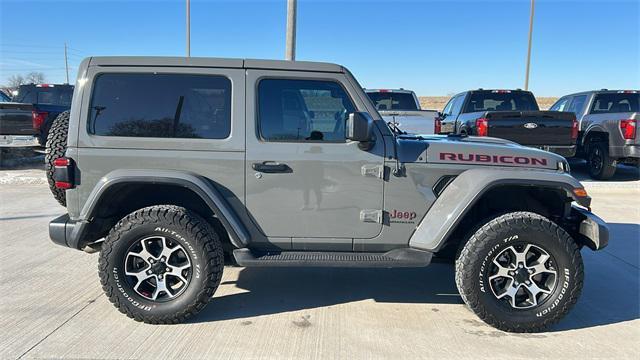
x,y
55,148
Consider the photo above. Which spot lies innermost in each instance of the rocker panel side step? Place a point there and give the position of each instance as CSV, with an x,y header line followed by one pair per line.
x,y
406,257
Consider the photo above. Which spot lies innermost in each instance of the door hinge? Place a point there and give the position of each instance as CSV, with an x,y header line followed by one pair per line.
x,y
373,171
371,215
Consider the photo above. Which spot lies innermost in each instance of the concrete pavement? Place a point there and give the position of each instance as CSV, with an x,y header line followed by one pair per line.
x,y
52,305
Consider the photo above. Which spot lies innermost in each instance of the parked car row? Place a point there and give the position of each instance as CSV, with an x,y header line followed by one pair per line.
x,y
25,119
599,126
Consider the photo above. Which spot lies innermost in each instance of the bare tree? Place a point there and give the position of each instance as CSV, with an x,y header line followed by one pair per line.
x,y
15,80
35,77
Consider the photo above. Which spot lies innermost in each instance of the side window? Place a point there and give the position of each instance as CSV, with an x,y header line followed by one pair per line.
x,y
161,106
447,108
577,104
457,105
560,105
302,110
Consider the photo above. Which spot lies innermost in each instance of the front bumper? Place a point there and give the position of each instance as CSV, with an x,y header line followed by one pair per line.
x,y
592,230
19,141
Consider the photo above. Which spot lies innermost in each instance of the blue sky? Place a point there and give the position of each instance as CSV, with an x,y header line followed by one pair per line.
x,y
433,47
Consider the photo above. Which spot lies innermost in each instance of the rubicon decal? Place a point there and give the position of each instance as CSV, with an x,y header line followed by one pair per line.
x,y
493,159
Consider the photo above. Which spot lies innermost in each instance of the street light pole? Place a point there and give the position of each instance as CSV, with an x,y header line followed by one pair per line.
x,y
526,78
188,28
290,51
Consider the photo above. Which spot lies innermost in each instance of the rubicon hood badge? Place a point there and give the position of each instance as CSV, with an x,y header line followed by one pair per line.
x,y
530,125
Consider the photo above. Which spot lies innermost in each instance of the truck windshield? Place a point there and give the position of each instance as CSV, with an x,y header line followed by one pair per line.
x,y
393,101
501,101
52,95
616,103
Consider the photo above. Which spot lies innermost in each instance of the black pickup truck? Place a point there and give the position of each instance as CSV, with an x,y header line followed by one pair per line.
x,y
513,115
26,120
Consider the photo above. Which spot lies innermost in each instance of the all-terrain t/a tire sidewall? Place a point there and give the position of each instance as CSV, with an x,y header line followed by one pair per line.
x,y
607,164
55,147
182,227
472,271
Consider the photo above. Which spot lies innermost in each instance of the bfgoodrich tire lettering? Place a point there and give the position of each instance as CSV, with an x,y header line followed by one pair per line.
x,y
475,266
182,228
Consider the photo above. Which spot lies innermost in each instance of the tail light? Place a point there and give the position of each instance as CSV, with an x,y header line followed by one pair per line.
x,y
482,127
38,118
628,129
63,173
437,125
574,130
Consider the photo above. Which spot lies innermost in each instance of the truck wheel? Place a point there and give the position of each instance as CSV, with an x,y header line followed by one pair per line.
x,y
520,272
55,147
161,264
601,166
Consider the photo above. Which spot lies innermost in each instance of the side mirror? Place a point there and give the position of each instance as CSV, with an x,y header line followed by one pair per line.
x,y
441,115
359,127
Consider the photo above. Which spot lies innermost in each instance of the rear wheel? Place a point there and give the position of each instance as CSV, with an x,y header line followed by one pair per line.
x,y
55,148
601,165
161,264
520,272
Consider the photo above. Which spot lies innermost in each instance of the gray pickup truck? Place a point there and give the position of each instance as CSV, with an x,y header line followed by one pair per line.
x,y
401,108
170,162
608,123
512,115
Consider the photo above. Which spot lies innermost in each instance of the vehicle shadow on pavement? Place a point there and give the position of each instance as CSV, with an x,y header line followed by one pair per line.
x,y
611,292
277,290
624,173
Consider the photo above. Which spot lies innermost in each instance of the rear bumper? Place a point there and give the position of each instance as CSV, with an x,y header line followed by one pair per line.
x,y
64,231
593,231
566,151
19,141
631,151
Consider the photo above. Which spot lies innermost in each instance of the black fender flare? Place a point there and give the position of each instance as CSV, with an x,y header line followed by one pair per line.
x,y
435,228
203,187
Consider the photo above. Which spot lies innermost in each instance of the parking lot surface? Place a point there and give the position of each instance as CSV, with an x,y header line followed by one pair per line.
x,y
52,305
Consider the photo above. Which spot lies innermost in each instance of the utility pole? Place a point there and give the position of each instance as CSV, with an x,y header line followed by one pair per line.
x,y
290,52
66,62
188,28
526,78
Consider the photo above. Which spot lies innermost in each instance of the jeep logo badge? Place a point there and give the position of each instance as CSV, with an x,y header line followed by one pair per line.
x,y
530,125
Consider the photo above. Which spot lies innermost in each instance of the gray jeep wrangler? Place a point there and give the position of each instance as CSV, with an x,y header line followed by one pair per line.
x,y
165,164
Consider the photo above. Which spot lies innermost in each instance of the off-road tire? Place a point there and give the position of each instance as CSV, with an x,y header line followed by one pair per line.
x,y
607,168
180,225
55,148
508,230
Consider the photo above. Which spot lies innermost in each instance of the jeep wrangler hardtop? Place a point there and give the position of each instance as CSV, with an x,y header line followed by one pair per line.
x,y
166,163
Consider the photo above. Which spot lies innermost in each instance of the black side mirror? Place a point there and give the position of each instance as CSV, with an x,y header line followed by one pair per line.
x,y
441,115
359,127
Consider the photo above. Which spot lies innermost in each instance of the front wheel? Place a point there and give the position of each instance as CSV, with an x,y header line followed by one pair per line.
x,y
161,264
520,272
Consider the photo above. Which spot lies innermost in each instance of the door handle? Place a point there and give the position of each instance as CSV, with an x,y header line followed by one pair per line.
x,y
271,167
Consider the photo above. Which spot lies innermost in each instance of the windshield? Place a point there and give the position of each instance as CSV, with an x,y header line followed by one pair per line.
x,y
616,103
4,98
393,101
499,100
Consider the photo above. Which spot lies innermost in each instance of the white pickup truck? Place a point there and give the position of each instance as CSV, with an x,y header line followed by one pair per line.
x,y
401,108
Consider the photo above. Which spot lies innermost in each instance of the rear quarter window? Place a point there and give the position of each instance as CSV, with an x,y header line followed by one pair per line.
x,y
161,106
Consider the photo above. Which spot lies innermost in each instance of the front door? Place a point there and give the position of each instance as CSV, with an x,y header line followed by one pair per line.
x,y
304,180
